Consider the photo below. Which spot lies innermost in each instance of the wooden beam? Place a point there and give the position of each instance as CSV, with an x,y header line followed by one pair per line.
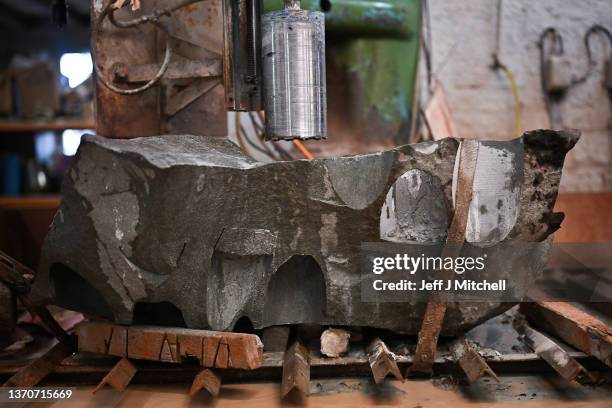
x,y
35,372
172,345
567,321
13,126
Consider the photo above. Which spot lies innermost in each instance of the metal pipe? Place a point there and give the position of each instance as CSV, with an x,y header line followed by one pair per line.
x,y
254,41
364,18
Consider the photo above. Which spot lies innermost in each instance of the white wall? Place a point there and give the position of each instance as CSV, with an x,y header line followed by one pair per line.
x,y
481,102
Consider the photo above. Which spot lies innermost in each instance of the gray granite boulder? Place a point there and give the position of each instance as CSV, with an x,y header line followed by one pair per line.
x,y
185,230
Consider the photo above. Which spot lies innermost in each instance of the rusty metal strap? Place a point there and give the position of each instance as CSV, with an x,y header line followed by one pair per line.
x,y
17,277
436,307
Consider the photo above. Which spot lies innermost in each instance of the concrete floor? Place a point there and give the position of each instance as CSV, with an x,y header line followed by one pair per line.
x,y
526,391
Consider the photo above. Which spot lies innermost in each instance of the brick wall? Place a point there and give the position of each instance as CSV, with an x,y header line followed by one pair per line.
x,y
463,37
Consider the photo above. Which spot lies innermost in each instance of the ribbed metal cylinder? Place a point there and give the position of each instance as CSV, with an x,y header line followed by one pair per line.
x,y
293,50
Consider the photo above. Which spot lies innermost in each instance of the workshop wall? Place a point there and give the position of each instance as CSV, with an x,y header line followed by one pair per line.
x,y
463,40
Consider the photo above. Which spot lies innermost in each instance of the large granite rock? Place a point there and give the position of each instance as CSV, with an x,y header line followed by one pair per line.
x,y
187,230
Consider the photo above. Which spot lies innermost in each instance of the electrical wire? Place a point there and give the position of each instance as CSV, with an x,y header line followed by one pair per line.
x,y
277,147
153,17
303,149
239,136
518,120
595,29
497,64
108,11
426,40
259,135
253,145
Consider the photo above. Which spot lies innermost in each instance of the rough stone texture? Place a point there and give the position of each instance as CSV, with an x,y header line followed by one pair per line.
x,y
480,99
194,232
275,338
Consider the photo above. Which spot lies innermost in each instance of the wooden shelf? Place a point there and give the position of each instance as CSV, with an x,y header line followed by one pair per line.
x,y
14,126
30,202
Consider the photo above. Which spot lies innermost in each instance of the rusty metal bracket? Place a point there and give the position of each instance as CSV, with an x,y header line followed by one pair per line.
x,y
382,361
17,277
35,372
119,377
206,379
172,344
296,369
550,352
470,361
436,307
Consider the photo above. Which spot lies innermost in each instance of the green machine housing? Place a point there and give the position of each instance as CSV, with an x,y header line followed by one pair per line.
x,y
372,49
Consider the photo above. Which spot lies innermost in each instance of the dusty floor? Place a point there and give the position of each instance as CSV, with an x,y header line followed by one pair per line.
x,y
532,391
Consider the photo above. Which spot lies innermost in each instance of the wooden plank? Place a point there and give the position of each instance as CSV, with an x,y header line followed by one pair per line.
x,y
550,351
10,126
382,361
567,321
438,115
87,368
206,379
119,377
27,203
296,369
173,345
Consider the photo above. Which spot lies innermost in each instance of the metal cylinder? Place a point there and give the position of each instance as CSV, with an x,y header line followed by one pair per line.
x,y
293,50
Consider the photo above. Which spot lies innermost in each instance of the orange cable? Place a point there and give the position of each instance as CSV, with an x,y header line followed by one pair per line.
x,y
303,149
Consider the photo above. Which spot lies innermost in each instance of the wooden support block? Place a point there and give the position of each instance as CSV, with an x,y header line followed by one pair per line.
x,y
35,372
382,361
208,380
296,369
567,321
119,377
118,342
172,345
334,342
470,361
